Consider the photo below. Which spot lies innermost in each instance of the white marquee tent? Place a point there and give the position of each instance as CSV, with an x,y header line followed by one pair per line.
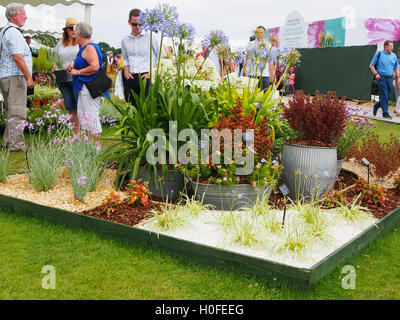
x,y
43,19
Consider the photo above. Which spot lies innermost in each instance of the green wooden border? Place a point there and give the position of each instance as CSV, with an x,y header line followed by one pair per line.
x,y
355,246
269,270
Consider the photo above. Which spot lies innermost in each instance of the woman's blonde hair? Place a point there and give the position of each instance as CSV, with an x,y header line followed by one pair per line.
x,y
65,39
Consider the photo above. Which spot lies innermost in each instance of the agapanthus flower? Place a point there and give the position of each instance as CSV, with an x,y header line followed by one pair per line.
x,y
292,57
222,50
152,20
170,12
215,38
185,31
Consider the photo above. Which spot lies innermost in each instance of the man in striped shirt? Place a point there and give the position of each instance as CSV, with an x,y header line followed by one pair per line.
x,y
15,75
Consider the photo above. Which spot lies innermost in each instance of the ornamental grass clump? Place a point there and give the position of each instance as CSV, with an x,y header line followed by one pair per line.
x,y
243,230
83,166
45,160
5,165
318,120
295,240
168,219
354,211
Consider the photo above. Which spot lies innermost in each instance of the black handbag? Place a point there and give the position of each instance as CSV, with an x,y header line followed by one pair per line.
x,y
99,85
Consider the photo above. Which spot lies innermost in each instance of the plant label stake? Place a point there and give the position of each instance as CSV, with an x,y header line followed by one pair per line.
x,y
285,192
366,162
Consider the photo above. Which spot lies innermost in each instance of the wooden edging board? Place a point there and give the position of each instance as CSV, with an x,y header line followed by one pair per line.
x,y
203,254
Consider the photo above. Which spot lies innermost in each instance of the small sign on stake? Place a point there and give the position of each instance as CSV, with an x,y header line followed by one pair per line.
x,y
365,161
285,192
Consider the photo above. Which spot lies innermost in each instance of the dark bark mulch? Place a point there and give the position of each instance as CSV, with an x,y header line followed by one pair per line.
x,y
128,214
312,143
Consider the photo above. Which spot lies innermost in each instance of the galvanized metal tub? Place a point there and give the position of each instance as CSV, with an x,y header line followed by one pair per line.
x,y
308,172
226,197
170,188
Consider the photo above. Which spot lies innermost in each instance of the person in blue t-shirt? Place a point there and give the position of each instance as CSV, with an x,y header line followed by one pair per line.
x,y
385,66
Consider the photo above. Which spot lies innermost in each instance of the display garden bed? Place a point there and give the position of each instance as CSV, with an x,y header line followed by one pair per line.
x,y
272,271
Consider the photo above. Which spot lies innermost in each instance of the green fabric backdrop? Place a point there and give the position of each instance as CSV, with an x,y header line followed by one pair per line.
x,y
341,69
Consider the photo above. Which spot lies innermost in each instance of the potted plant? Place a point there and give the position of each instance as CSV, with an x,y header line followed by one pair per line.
x,y
220,184
61,75
310,160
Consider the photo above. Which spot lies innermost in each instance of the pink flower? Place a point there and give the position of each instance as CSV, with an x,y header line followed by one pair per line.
x,y
254,184
225,179
315,31
381,30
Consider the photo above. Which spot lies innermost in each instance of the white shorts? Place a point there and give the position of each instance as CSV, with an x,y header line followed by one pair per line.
x,y
89,111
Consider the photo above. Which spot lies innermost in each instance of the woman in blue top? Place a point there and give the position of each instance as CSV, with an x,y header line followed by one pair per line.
x,y
84,69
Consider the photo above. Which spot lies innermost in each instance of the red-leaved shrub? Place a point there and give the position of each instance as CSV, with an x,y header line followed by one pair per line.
x,y
384,156
319,119
238,120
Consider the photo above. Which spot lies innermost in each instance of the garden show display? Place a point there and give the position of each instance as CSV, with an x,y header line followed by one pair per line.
x,y
211,167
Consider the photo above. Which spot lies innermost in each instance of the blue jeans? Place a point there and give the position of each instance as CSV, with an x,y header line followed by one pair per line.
x,y
265,83
67,92
385,88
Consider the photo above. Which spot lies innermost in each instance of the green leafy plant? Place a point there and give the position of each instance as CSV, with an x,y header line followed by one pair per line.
x,y
355,129
82,161
45,160
5,165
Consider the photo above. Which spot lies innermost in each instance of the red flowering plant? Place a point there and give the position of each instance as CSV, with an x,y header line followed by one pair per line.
x,y
319,120
112,203
372,193
264,171
138,194
334,199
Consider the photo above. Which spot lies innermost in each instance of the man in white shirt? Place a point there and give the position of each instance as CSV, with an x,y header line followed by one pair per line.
x,y
255,63
15,75
135,49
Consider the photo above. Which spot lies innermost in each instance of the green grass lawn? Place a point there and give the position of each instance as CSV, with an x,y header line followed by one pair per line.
x,y
89,266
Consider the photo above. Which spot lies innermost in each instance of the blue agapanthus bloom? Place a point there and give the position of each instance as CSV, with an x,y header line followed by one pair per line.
x,y
171,28
170,12
215,38
185,31
152,20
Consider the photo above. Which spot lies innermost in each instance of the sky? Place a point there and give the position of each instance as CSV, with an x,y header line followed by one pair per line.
x,y
237,18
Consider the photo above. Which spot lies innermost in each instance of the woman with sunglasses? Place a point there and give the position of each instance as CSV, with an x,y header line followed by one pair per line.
x,y
67,50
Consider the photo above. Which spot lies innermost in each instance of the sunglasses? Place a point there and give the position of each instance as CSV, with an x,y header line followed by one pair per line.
x,y
136,24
